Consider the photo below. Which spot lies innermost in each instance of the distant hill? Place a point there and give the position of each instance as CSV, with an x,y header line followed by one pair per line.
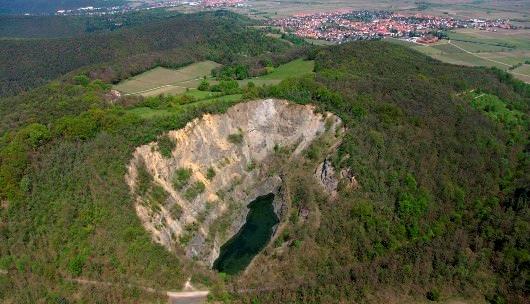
x,y
49,7
50,26
27,63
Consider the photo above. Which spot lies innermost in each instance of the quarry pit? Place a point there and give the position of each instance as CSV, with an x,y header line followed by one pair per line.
x,y
220,164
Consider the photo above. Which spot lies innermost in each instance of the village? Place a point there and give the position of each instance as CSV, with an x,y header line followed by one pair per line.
x,y
149,5
345,25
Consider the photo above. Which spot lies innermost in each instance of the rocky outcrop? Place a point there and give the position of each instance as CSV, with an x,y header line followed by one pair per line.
x,y
326,175
228,155
347,175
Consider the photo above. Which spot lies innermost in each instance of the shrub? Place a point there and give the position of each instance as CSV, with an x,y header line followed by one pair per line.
x,y
36,134
227,87
189,231
194,190
76,127
181,178
158,195
204,85
143,180
176,211
433,295
165,146
236,138
239,71
75,266
99,85
251,166
210,174
82,80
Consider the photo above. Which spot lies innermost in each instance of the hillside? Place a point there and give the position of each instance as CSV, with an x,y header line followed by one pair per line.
x,y
443,196
429,199
50,7
50,26
172,42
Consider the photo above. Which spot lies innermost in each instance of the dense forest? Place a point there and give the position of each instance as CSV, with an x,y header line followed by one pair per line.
x,y
219,36
51,26
442,205
50,7
441,208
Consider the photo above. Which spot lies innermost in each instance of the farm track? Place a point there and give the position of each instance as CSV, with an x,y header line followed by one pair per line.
x,y
484,58
474,54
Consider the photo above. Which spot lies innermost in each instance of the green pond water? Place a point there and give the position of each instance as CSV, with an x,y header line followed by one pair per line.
x,y
237,253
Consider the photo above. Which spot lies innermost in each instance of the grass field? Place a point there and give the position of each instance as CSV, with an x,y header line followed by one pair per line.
x,y
150,113
502,49
515,10
294,68
523,70
513,39
166,81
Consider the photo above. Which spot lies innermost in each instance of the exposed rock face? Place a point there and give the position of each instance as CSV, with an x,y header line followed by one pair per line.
x,y
234,145
348,175
326,176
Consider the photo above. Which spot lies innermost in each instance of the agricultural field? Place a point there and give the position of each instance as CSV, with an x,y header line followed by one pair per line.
x,y
262,9
163,81
523,70
200,98
490,9
503,49
507,39
166,81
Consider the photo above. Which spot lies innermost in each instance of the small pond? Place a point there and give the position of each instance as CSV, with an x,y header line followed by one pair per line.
x,y
237,253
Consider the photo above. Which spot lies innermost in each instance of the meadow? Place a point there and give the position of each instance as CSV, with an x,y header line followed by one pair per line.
x,y
182,97
490,9
294,68
184,81
503,49
166,81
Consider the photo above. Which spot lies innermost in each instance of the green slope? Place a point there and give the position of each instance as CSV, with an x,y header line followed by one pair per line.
x,y
441,206
172,42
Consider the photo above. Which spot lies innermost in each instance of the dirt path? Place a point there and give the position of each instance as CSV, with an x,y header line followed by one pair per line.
x,y
474,54
188,296
488,59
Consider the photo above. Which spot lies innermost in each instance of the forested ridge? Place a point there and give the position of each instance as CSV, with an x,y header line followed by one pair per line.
x,y
50,7
27,63
443,199
440,153
51,26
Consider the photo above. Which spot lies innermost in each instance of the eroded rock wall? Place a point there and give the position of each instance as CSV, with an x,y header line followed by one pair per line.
x,y
235,145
